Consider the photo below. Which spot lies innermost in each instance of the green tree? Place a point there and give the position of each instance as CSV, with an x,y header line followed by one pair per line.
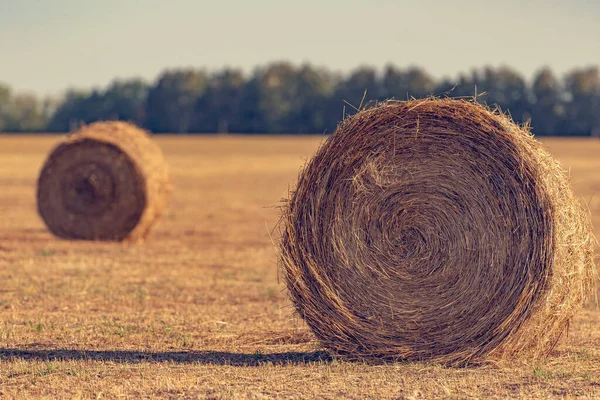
x,y
122,100
309,102
548,108
125,100
5,104
281,98
250,118
71,111
501,87
357,90
583,101
284,98
506,88
218,109
465,85
172,101
27,114
21,112
277,88
403,84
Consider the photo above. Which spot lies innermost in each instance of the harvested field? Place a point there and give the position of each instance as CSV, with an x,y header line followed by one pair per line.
x,y
197,310
436,230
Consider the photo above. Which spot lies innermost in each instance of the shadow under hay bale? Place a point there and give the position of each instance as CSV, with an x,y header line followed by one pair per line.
x,y
439,230
107,181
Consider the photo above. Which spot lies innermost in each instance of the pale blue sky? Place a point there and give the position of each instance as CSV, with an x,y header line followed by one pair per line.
x,y
49,45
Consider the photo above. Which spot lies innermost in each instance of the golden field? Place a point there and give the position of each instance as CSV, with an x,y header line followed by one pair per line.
x,y
197,309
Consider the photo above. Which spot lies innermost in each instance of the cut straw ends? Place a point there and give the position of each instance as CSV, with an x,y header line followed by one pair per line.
x,y
435,229
107,181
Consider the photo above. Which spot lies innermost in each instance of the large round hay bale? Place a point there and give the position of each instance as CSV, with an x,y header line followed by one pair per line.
x,y
435,229
107,181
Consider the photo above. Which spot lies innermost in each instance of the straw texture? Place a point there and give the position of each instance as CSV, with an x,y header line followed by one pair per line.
x,y
435,229
107,181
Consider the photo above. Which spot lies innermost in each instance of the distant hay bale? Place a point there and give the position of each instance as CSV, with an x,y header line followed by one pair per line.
x,y
435,229
107,181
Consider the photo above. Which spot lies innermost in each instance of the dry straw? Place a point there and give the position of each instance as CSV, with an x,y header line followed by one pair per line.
x,y
107,181
435,229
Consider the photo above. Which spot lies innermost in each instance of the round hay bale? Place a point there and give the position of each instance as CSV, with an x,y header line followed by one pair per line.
x,y
435,229
107,181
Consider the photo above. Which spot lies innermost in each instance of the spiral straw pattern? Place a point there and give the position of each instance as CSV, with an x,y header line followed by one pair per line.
x,y
108,181
435,229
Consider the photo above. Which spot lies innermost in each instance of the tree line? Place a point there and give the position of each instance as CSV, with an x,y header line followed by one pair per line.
x,y
285,98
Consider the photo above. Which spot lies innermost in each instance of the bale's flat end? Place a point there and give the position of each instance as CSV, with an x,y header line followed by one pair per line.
x,y
435,229
107,181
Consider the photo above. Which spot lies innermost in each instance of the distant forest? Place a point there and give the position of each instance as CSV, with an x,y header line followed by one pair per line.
x,y
285,98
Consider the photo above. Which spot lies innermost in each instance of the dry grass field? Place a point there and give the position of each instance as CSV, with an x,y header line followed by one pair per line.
x,y
197,310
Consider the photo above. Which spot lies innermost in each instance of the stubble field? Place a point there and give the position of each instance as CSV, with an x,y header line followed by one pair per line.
x,y
197,309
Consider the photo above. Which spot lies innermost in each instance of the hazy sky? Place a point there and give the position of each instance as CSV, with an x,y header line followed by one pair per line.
x,y
49,45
